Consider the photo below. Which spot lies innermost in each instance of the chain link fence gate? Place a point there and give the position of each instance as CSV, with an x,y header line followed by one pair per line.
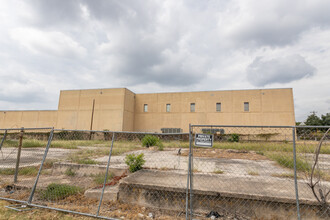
x,y
256,172
96,173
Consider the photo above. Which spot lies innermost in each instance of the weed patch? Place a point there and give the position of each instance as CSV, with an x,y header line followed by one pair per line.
x,y
24,171
287,161
253,173
99,178
59,191
70,172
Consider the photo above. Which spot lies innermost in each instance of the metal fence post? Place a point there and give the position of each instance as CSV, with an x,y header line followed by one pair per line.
x,y
19,154
3,139
189,171
42,163
295,170
106,175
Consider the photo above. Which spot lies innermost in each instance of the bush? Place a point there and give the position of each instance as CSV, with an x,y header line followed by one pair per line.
x,y
135,162
234,138
150,140
59,191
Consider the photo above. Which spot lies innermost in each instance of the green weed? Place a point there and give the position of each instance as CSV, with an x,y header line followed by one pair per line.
x,y
287,161
134,162
99,178
218,171
59,191
24,171
70,172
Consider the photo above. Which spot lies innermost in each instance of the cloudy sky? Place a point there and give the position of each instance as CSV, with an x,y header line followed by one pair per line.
x,y
158,46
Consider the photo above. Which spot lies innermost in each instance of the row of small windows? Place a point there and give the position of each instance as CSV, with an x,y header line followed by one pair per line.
x,y
192,107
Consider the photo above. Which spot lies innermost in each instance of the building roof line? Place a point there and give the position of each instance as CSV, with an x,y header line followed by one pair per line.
x,y
176,92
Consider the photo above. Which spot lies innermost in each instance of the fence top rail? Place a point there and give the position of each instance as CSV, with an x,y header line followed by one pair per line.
x,y
19,129
257,126
241,126
310,126
121,132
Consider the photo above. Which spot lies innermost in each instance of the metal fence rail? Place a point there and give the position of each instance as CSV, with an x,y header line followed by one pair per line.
x,y
250,172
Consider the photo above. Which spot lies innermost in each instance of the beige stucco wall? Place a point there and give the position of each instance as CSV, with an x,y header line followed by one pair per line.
x,y
267,107
75,109
122,110
28,119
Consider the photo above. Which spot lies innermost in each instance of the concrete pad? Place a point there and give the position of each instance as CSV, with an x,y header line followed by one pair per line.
x,y
270,189
30,156
110,193
85,169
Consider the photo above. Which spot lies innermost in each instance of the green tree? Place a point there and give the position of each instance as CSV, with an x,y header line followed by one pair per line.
x,y
325,119
314,120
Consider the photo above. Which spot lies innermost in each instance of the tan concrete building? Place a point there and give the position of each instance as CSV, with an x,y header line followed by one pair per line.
x,y
122,110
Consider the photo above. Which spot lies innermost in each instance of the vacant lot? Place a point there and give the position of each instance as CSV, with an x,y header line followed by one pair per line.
x,y
258,163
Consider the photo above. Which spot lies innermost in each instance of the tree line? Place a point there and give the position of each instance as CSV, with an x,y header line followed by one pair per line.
x,y
314,120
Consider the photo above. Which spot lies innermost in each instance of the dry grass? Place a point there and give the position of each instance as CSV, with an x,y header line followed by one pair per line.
x,y
218,171
36,214
284,175
253,173
302,146
113,209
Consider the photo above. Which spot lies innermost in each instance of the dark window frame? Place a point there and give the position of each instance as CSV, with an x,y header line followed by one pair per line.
x,y
168,107
246,106
218,107
192,107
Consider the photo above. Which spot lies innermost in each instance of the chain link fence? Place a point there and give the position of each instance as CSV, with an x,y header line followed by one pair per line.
x,y
253,172
248,172
79,172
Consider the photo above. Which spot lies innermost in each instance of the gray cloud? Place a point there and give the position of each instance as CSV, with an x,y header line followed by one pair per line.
x,y
49,13
276,23
263,72
163,45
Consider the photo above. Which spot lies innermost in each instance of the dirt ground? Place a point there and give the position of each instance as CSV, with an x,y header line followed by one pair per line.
x,y
228,154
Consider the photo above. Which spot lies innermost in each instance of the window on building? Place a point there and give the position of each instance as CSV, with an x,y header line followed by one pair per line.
x,y
192,107
168,107
145,108
218,107
246,107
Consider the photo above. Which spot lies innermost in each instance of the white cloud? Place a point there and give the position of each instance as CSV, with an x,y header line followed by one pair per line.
x,y
46,43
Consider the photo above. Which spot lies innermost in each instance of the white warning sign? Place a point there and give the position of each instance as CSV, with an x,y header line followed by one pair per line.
x,y
204,140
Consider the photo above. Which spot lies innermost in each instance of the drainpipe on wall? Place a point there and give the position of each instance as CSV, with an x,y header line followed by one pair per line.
x,y
91,128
